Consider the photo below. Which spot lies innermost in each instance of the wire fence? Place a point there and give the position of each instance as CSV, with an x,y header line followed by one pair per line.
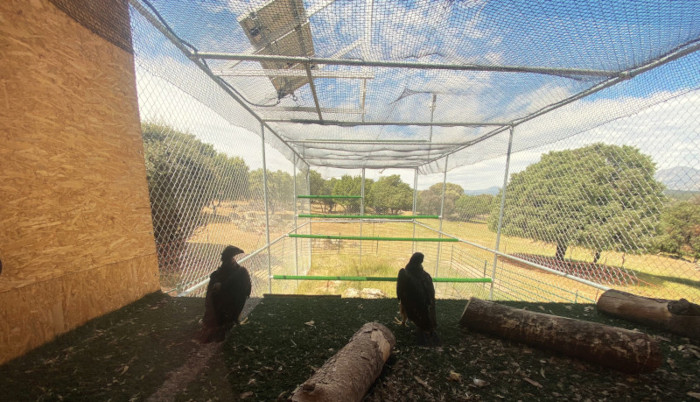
x,y
601,192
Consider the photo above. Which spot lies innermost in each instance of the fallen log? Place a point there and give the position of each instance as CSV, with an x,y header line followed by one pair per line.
x,y
621,349
349,373
676,316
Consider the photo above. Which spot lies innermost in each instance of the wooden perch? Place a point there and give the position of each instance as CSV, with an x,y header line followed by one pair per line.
x,y
349,373
618,348
676,316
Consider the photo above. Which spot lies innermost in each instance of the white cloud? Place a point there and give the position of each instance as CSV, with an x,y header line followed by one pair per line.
x,y
162,102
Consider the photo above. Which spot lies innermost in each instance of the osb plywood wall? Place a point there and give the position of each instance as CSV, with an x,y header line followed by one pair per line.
x,y
75,228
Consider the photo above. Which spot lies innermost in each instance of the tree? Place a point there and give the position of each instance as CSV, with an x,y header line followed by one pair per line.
x,y
348,185
316,182
603,197
319,186
390,194
181,181
430,200
231,179
468,207
280,188
680,229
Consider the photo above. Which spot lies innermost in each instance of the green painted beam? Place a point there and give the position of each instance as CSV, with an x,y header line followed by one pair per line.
x,y
419,239
372,278
329,196
369,216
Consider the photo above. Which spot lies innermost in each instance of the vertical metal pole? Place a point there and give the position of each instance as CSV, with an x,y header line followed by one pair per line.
x,y
362,209
415,203
296,223
432,114
267,211
308,191
442,211
500,213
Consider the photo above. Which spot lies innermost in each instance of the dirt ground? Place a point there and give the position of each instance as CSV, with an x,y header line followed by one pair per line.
x,y
146,351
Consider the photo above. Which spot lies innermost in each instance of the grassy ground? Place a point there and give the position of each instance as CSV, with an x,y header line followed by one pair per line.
x,y
129,354
661,276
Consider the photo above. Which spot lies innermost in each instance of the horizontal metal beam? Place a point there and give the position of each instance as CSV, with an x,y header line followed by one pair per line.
x,y
307,109
340,216
520,260
369,142
327,196
360,75
380,238
175,40
388,123
408,64
372,278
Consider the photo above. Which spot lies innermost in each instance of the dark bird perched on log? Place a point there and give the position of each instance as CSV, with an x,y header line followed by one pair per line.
x,y
416,294
229,287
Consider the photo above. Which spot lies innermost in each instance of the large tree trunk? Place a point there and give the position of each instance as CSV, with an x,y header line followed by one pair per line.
x,y
349,373
679,317
618,348
561,251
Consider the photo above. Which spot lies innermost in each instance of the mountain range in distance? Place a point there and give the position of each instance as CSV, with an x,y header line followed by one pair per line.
x,y
491,190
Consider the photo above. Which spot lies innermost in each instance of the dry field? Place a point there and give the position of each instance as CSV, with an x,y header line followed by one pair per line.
x,y
243,224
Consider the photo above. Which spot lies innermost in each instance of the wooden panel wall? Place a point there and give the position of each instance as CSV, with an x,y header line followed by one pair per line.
x,y
76,239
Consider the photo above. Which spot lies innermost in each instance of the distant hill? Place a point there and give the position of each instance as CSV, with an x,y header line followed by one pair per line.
x,y
680,178
490,190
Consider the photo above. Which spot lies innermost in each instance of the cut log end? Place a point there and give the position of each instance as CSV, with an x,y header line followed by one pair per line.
x,y
350,373
679,317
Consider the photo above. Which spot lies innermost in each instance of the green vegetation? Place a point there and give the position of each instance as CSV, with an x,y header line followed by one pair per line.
x,y
429,200
602,197
349,185
471,207
599,201
680,229
280,188
390,195
182,178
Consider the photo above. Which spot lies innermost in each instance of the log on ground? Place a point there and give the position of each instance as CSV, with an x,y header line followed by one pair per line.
x,y
617,348
676,316
348,375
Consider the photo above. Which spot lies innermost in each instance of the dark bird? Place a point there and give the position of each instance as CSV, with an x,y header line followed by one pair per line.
x,y
229,287
416,294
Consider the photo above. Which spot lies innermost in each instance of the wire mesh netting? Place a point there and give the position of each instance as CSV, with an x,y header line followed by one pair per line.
x,y
557,142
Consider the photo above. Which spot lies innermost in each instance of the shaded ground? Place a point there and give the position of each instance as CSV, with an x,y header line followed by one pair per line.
x,y
599,273
129,355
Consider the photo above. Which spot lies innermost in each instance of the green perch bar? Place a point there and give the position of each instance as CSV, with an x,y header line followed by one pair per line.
x,y
372,278
329,196
369,216
420,239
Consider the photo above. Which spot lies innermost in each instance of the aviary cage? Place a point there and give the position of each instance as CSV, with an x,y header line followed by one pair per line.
x,y
551,148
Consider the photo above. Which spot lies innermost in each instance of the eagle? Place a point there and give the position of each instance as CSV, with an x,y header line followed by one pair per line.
x,y
229,287
414,288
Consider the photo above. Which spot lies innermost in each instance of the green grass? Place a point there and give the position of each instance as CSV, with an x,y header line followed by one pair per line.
x,y
665,277
342,265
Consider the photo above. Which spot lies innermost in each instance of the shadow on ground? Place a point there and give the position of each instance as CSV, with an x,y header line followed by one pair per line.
x,y
131,353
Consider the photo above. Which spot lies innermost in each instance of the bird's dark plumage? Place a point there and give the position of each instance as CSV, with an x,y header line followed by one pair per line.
x,y
229,287
416,294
